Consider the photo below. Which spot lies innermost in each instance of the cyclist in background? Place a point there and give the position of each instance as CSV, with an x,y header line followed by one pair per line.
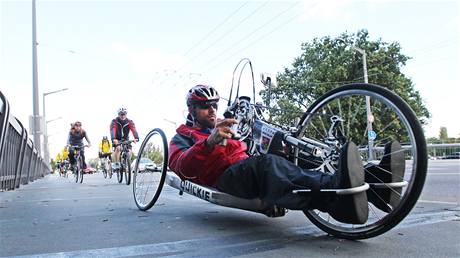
x,y
75,138
105,148
65,153
58,160
119,131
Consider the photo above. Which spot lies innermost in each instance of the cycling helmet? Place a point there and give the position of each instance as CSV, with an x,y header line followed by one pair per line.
x,y
104,138
202,93
122,110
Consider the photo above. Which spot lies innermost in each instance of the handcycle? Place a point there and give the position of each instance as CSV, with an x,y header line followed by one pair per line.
x,y
125,161
106,165
315,143
77,168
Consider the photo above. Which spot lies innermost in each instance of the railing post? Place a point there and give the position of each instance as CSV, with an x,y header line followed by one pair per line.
x,y
4,118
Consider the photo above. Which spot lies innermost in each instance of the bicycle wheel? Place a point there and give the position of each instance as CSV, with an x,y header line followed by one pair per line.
x,y
127,165
80,169
395,132
109,168
104,168
119,174
75,172
149,176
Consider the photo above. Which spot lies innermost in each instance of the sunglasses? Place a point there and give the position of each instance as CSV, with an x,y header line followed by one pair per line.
x,y
206,105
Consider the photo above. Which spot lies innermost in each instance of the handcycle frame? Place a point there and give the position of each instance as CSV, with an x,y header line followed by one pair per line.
x,y
259,135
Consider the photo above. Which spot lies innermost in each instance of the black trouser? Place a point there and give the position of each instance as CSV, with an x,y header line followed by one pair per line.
x,y
272,179
72,156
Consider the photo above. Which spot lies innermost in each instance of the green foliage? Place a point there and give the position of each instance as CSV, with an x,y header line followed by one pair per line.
x,y
327,63
443,134
154,153
53,164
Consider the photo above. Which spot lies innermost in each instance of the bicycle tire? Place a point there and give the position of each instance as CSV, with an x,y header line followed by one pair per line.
x,y
146,192
119,175
75,173
127,162
104,168
109,168
80,168
405,120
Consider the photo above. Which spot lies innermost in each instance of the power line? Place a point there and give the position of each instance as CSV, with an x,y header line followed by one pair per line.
x,y
222,36
215,28
252,32
258,39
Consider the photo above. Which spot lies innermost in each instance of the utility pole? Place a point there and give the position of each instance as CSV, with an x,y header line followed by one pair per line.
x,y
46,154
36,116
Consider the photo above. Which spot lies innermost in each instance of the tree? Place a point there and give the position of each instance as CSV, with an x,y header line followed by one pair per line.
x,y
327,63
154,153
443,134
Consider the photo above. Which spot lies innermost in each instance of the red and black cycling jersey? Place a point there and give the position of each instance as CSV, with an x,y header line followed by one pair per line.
x,y
119,129
190,159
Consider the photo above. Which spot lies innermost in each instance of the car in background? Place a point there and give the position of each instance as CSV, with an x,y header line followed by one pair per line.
x,y
144,163
454,155
89,169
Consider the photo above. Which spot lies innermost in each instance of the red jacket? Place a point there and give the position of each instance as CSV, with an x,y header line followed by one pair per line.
x,y
190,159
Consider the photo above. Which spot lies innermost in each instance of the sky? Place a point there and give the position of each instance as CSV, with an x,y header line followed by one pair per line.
x,y
145,55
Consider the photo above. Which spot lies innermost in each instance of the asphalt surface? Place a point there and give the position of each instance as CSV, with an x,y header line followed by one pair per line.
x,y
55,217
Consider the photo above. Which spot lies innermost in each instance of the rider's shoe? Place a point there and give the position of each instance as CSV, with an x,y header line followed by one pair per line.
x,y
389,170
351,208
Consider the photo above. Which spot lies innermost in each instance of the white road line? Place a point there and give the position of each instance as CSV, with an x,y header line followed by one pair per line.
x,y
184,246
439,202
57,199
443,174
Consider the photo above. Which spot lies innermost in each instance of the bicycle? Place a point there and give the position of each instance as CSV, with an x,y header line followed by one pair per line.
x,y
315,143
125,160
107,166
77,168
64,166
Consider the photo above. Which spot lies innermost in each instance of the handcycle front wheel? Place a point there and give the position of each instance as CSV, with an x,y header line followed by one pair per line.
x,y
150,169
396,132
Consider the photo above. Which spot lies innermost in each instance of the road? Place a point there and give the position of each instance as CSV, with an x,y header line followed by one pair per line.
x,y
55,217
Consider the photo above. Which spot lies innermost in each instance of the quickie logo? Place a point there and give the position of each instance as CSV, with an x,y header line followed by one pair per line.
x,y
196,190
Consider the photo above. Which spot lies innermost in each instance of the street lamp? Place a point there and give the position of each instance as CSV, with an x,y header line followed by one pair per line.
x,y
370,117
171,122
46,153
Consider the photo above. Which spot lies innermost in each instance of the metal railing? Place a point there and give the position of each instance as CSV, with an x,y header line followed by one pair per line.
x,y
20,163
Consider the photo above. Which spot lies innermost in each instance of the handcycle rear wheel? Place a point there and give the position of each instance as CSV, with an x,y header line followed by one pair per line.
x,y
148,180
393,121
